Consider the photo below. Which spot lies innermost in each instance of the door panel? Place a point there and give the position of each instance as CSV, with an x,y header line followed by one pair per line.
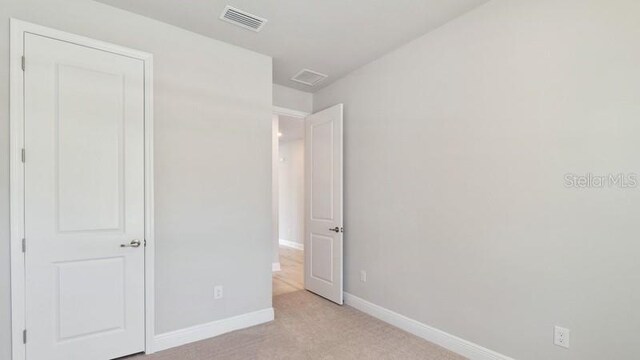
x,y
77,302
322,250
323,186
322,171
89,161
84,197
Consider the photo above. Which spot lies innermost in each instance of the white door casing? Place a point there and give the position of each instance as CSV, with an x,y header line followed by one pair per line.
x,y
324,203
85,190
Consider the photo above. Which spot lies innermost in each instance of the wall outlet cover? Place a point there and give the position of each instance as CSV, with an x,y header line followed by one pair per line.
x,y
218,292
561,337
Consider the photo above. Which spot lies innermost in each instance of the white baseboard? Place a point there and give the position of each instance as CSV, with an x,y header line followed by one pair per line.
x,y
291,244
212,329
275,267
439,337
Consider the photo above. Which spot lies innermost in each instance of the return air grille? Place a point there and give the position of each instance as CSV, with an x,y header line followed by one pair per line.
x,y
242,18
309,77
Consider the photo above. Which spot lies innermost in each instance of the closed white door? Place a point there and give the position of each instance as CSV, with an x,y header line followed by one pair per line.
x,y
323,203
84,197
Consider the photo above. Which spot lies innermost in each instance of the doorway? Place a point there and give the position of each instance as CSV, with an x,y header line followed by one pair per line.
x,y
289,194
308,203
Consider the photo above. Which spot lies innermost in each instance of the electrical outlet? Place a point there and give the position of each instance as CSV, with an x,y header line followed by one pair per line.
x,y
218,292
363,276
561,336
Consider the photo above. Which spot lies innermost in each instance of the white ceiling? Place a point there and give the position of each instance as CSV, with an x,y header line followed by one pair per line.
x,y
333,37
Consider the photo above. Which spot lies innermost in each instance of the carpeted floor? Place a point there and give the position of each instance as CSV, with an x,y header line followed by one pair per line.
x,y
308,327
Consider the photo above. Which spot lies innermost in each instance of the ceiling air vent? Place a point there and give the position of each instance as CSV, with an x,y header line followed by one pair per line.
x,y
308,77
242,18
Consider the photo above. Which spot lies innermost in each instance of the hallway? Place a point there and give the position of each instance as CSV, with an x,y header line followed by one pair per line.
x,y
291,276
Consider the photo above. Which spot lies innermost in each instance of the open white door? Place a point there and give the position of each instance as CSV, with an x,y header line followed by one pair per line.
x,y
323,203
84,201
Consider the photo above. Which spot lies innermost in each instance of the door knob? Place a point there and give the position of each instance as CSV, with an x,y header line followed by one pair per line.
x,y
336,229
133,243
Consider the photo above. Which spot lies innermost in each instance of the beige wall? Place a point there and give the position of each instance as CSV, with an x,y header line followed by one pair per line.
x,y
456,149
212,209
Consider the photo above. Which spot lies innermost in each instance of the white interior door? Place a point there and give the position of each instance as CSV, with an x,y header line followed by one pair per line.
x,y
323,203
84,197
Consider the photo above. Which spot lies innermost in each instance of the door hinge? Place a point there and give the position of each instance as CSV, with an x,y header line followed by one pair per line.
x,y
23,63
23,155
24,245
24,336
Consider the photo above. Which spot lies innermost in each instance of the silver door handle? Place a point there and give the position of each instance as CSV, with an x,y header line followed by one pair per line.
x,y
336,229
134,243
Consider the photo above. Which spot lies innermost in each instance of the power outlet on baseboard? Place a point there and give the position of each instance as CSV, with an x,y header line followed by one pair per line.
x,y
561,337
218,292
363,276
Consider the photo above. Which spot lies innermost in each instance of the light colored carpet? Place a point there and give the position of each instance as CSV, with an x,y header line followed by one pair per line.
x,y
308,327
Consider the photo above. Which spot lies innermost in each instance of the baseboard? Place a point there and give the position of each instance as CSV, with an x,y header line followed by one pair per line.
x,y
212,329
275,267
439,337
291,244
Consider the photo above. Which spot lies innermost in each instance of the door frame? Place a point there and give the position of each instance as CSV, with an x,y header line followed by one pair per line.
x,y
279,110
16,172
275,180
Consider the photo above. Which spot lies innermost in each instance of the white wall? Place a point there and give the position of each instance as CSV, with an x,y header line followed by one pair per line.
x,y
456,149
275,190
213,105
291,179
293,99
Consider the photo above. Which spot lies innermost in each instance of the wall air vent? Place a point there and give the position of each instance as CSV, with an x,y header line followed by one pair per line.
x,y
242,18
309,77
